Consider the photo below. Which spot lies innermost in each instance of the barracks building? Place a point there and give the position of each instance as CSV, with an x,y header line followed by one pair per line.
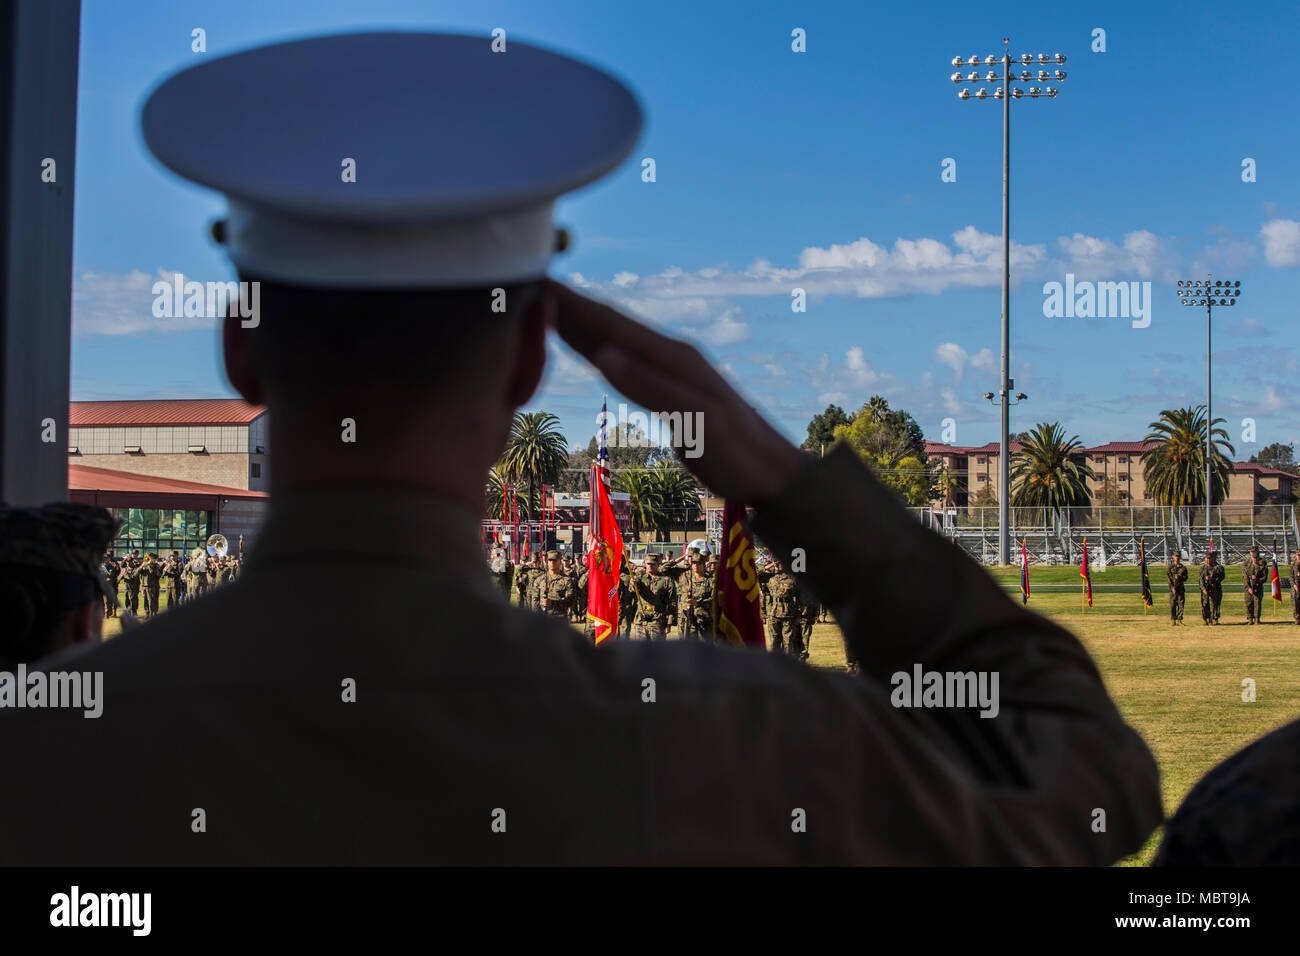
x,y
1117,462
173,471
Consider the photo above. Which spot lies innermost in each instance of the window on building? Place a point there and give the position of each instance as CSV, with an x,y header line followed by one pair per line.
x,y
255,470
1123,459
1123,476
1123,496
981,461
160,530
1146,496
983,478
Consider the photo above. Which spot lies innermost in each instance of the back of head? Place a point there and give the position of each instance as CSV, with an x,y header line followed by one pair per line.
x,y
50,574
34,606
414,344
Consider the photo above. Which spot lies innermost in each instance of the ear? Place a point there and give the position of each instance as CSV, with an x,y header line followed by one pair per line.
x,y
237,347
530,355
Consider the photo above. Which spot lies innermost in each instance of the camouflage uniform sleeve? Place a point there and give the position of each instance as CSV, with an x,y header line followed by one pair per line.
x,y
1020,787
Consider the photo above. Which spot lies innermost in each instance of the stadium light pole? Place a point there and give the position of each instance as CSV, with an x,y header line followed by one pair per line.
x,y
1006,93
1196,292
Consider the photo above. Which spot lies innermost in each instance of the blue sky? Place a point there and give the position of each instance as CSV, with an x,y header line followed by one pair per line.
x,y
818,170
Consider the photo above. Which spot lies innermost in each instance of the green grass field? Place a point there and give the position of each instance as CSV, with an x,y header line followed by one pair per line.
x,y
1180,687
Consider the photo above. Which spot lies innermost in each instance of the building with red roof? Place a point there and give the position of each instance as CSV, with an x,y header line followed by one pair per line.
x,y
174,471
1117,464
213,441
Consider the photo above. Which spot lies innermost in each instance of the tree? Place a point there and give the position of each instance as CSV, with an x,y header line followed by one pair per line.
x,y
642,503
1174,467
536,452
821,430
1277,456
891,444
879,432
676,498
628,448
1050,472
947,486
986,497
496,505
877,407
1108,494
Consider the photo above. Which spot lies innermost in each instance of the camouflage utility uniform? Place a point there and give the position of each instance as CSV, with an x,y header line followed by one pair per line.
x,y
554,594
151,576
131,579
1177,574
113,574
697,606
626,603
1295,588
1211,581
1253,575
785,612
656,606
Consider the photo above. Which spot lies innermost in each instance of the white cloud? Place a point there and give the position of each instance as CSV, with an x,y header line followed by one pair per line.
x,y
1141,253
984,361
951,403
1281,243
727,329
952,355
866,269
1272,401
859,368
122,304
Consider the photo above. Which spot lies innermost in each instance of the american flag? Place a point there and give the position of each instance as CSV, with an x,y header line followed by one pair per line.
x,y
602,457
599,475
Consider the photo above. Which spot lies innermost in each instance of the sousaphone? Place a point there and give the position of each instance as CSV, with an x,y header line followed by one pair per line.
x,y
218,545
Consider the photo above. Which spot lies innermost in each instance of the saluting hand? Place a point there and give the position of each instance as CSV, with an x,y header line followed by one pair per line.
x,y
744,458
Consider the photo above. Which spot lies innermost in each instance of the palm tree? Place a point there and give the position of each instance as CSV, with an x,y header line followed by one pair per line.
x,y
877,407
1174,467
676,497
946,488
643,503
536,453
1050,472
494,494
